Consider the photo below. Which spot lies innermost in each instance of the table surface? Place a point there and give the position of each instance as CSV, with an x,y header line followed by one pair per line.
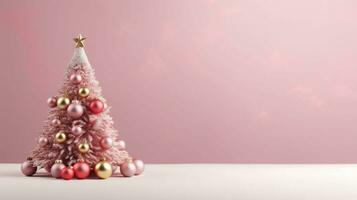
x,y
193,181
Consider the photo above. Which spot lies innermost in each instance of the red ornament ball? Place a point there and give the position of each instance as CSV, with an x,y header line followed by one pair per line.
x,y
67,173
81,170
96,106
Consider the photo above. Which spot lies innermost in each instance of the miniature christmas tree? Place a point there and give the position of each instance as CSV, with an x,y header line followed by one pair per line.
x,y
78,135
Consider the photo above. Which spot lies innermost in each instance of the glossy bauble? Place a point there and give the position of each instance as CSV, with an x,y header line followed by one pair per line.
x,y
75,110
67,173
75,78
77,130
57,168
121,145
106,143
139,164
103,169
56,122
60,137
52,102
83,92
96,106
27,168
83,147
81,170
42,141
63,102
128,169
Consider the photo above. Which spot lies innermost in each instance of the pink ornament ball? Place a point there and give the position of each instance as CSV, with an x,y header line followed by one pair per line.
x,y
81,170
52,102
77,130
139,164
56,170
75,110
75,78
96,106
106,143
28,169
42,141
67,173
56,122
128,169
121,145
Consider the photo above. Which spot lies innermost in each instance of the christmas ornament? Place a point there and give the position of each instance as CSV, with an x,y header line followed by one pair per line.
x,y
83,92
77,130
57,168
96,106
79,41
27,168
56,122
48,167
75,110
62,102
52,102
81,169
83,147
121,145
67,173
128,168
139,165
60,137
106,143
42,141
103,169
75,78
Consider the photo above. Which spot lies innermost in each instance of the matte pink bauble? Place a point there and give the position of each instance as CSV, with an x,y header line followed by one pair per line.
x,y
28,169
56,170
128,169
96,106
139,164
75,110
76,78
52,102
106,142
42,141
56,122
81,170
121,144
77,130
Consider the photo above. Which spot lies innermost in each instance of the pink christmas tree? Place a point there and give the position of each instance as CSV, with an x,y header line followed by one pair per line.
x,y
79,135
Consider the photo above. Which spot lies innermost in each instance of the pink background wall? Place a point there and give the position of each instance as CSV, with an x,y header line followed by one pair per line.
x,y
192,81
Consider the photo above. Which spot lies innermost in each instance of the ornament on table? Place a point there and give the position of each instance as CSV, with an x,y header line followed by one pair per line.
x,y
75,109
63,102
67,173
56,122
77,130
128,168
47,167
60,137
27,167
42,141
106,143
57,168
83,147
83,92
81,169
96,106
139,164
121,145
75,78
103,169
52,102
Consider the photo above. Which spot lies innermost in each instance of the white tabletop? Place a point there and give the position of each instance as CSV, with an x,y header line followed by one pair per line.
x,y
193,181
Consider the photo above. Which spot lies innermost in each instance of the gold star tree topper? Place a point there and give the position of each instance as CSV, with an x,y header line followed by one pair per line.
x,y
79,41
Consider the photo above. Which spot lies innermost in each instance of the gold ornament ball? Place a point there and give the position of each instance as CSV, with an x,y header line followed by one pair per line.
x,y
83,92
60,137
103,169
83,148
63,102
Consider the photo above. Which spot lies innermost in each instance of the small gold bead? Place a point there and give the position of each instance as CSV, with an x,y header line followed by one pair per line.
x,y
83,92
60,137
83,148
